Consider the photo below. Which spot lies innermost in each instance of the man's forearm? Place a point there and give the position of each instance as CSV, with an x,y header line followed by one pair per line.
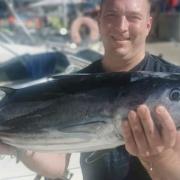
x,y
52,165
46,164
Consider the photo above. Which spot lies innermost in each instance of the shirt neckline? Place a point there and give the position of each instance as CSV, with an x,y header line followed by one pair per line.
x,y
135,68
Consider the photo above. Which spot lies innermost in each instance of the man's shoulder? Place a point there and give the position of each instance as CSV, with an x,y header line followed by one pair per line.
x,y
152,63
162,65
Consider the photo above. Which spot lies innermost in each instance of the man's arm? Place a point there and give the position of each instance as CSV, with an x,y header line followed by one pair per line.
x,y
51,165
158,151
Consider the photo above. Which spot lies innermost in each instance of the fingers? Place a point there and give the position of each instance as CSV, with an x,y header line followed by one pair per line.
x,y
142,138
130,143
138,131
150,131
168,132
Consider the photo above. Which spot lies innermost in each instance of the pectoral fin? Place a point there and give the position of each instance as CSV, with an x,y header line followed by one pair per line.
x,y
94,156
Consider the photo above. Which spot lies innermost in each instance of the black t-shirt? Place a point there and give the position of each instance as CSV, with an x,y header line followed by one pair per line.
x,y
118,164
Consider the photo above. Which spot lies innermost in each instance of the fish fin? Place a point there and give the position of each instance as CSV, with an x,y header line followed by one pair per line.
x,y
94,156
7,90
140,75
4,91
66,76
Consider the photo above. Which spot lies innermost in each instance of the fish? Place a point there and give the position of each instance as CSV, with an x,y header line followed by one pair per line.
x,y
81,112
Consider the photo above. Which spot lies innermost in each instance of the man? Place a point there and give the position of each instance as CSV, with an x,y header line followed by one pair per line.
x,y
124,27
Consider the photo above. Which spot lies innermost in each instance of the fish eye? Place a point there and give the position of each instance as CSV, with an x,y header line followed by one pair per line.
x,y
175,95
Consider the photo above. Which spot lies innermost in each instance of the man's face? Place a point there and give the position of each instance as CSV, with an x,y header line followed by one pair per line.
x,y
124,26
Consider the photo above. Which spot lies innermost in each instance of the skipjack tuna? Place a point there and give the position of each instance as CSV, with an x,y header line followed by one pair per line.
x,y
81,112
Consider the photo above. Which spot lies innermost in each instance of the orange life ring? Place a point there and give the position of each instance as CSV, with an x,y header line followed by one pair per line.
x,y
88,22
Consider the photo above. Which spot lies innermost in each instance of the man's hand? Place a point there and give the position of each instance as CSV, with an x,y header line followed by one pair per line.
x,y
51,165
7,150
157,148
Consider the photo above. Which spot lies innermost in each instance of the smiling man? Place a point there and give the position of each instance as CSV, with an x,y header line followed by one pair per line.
x,y
148,154
124,26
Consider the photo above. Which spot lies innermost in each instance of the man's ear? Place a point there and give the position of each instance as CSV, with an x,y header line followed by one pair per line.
x,y
149,24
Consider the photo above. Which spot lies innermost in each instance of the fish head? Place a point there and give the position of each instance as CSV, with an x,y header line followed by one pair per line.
x,y
166,93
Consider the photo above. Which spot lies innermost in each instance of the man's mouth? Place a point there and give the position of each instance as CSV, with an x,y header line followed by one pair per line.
x,y
120,39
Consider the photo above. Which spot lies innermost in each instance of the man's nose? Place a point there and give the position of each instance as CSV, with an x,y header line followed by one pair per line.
x,y
122,24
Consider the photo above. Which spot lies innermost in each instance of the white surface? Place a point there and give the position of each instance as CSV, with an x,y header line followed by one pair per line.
x,y
9,51
74,167
54,2
10,170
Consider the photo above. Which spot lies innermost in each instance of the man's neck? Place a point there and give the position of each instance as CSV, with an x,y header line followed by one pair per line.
x,y
117,64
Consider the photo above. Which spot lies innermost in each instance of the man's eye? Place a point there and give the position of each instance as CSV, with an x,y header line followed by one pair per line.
x,y
133,18
110,15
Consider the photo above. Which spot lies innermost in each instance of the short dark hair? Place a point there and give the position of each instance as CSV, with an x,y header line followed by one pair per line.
x,y
149,1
